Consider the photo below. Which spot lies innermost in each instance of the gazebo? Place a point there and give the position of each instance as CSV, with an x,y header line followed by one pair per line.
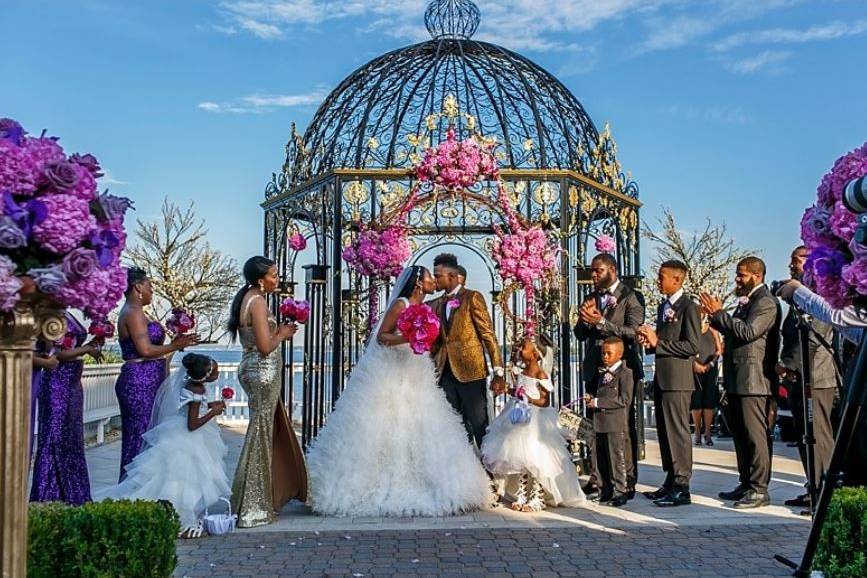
x,y
353,163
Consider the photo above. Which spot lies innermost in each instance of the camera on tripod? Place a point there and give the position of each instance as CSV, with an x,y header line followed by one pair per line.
x,y
855,199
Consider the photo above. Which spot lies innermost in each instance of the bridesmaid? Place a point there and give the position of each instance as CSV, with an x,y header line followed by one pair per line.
x,y
60,470
271,468
145,363
43,359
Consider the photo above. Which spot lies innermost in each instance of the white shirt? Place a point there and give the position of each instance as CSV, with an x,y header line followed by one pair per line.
x,y
614,367
675,297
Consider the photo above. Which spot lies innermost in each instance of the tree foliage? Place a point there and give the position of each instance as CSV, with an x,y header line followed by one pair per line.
x,y
184,269
710,254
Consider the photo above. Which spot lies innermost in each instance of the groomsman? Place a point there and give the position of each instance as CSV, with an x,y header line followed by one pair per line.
x,y
823,376
752,336
674,343
611,310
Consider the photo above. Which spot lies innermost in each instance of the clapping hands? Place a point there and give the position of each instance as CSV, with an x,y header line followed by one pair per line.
x,y
710,304
590,313
647,337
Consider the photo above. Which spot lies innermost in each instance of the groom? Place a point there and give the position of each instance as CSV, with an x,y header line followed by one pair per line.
x,y
466,333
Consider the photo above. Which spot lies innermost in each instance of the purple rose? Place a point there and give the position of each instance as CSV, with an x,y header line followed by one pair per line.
x,y
49,279
12,131
60,175
89,162
79,263
11,235
826,262
114,207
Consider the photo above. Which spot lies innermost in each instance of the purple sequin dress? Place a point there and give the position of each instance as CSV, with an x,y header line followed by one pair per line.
x,y
60,470
35,385
136,388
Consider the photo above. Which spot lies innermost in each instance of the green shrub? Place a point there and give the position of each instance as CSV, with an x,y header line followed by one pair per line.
x,y
842,551
106,539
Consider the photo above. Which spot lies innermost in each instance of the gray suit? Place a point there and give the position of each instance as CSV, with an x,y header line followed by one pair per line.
x,y
824,388
674,382
752,337
622,320
611,424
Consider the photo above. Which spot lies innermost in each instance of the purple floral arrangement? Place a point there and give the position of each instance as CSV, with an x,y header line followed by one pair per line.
x,y
58,234
837,265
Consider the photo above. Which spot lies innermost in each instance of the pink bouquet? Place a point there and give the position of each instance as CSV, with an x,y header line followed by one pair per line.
x,y
297,242
379,254
420,325
227,393
606,244
295,311
56,229
180,321
456,164
837,265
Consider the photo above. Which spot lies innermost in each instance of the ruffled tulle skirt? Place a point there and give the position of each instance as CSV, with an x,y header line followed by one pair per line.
x,y
394,446
181,466
536,448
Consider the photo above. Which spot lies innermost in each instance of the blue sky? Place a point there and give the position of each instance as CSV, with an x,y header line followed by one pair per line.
x,y
728,109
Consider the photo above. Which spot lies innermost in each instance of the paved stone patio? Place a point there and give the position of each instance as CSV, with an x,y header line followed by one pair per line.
x,y
707,538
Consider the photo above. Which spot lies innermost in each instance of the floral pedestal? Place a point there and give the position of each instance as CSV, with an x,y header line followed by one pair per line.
x,y
18,330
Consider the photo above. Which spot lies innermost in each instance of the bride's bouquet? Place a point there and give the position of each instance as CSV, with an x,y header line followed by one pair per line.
x,y
420,325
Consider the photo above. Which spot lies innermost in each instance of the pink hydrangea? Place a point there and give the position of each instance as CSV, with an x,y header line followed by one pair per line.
x,y
297,242
606,244
10,284
456,164
85,188
855,274
525,256
66,225
379,254
18,172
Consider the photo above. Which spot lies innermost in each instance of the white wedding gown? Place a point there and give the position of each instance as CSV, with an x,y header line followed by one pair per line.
x,y
394,446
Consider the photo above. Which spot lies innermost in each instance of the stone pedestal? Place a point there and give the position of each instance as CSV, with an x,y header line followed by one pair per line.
x,y
18,331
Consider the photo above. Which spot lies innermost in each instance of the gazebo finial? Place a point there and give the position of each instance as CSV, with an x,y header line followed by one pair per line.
x,y
452,19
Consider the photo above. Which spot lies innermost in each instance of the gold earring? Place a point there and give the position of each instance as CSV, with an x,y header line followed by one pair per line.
x,y
261,287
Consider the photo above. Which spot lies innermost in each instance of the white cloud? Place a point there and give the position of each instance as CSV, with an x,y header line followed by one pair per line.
x,y
830,31
258,103
769,60
109,179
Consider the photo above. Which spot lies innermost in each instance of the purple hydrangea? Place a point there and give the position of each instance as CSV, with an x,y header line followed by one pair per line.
x,y
10,284
66,225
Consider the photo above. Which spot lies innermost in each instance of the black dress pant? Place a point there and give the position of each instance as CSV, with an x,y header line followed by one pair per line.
x,y
611,463
470,400
630,450
675,443
823,431
748,420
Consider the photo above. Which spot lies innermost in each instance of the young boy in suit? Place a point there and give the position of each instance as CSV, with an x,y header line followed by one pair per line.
x,y
610,408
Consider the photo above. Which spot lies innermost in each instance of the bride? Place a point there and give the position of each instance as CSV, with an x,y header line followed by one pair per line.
x,y
393,445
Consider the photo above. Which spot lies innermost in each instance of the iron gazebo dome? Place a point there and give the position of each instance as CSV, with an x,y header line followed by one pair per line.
x,y
366,121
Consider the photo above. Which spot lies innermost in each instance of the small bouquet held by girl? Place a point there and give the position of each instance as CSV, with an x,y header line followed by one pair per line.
x,y
524,447
182,460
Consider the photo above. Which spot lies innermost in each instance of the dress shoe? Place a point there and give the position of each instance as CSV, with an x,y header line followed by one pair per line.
x,y
802,501
735,494
752,500
656,494
674,498
618,500
630,493
605,497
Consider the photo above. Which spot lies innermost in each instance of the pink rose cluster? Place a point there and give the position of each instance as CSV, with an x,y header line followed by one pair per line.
x,y
525,255
55,227
837,265
297,242
606,244
379,254
421,327
456,164
296,311
180,321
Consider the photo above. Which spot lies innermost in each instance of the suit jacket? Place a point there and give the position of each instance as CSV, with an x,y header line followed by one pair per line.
x,y
678,345
465,337
752,344
824,375
614,399
622,320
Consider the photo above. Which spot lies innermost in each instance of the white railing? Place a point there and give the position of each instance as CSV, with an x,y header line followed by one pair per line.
x,y
100,400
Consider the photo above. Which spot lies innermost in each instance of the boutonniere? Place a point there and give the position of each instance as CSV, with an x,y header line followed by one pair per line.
x,y
611,302
453,303
669,315
607,378
743,301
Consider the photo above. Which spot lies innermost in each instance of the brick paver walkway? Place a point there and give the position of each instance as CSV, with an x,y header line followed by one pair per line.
x,y
505,552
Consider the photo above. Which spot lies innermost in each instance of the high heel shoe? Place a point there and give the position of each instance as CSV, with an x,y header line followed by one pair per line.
x,y
708,441
698,440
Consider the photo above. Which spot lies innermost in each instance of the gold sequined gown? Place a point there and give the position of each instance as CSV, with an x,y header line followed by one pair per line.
x,y
271,469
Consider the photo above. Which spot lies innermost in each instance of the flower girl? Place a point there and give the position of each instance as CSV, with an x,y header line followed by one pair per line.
x,y
182,460
523,445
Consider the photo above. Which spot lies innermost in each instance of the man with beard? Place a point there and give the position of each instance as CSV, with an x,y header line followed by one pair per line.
x,y
611,310
749,365
823,377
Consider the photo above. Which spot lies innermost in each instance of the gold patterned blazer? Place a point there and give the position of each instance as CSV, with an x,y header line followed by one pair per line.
x,y
465,337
